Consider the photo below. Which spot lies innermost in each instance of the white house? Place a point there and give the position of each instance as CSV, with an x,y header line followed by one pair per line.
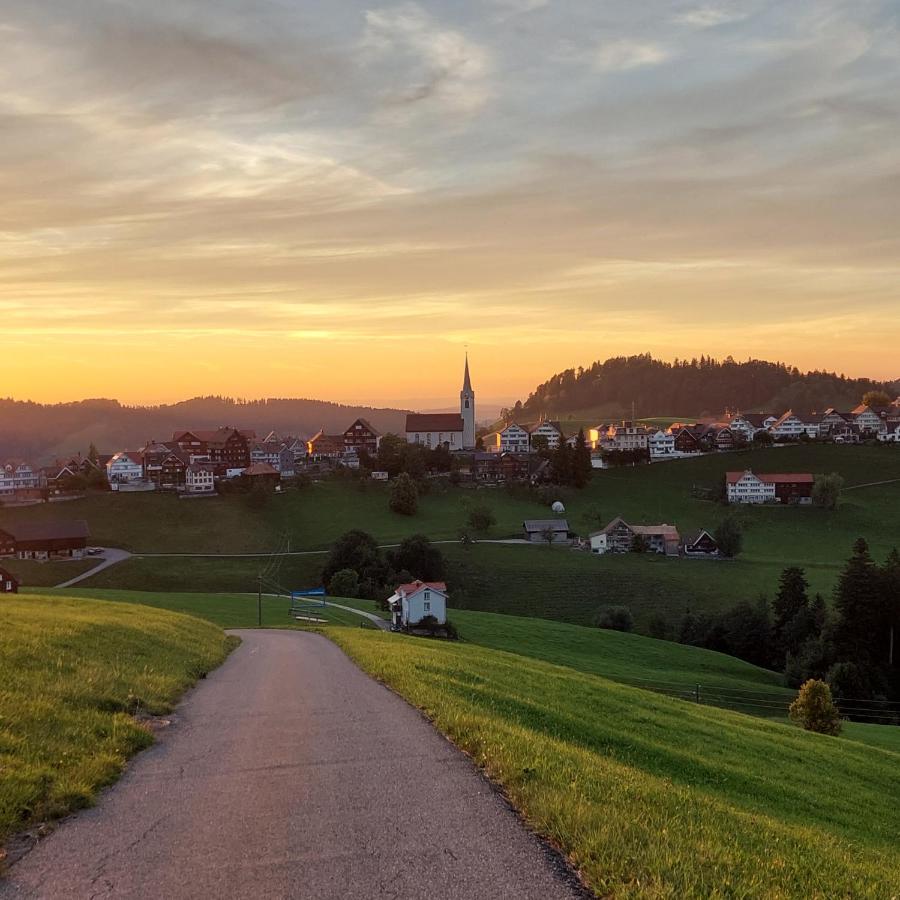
x,y
891,431
748,424
868,421
199,478
745,487
791,425
550,432
661,445
125,467
410,603
513,439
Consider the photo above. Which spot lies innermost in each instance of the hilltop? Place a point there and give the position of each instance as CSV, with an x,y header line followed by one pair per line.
x,y
41,431
699,387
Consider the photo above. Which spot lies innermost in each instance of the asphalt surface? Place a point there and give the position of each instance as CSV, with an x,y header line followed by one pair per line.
x,y
290,773
111,556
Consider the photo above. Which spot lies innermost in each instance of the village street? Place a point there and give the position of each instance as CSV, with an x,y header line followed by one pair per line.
x,y
290,773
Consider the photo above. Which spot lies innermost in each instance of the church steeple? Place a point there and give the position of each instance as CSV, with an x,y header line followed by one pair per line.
x,y
467,409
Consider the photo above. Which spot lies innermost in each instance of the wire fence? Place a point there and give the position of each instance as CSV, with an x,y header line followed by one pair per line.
x,y
766,703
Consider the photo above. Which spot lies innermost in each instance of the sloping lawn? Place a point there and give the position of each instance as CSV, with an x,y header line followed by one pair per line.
x,y
652,797
72,673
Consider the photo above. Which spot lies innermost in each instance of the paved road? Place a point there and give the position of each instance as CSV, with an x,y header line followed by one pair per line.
x,y
110,557
290,774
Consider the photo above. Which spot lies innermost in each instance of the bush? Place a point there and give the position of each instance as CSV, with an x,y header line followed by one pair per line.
x,y
404,495
344,583
729,537
418,556
814,709
826,490
481,519
616,618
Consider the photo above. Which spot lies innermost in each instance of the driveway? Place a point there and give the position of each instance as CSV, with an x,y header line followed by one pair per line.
x,y
290,773
110,557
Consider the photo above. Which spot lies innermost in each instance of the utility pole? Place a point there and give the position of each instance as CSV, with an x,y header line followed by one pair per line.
x,y
891,648
259,602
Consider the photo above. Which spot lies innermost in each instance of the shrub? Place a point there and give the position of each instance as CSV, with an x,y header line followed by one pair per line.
x,y
616,618
344,583
481,519
814,709
404,495
827,489
729,537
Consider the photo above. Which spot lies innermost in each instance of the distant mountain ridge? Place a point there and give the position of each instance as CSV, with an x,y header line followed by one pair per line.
x,y
39,432
703,386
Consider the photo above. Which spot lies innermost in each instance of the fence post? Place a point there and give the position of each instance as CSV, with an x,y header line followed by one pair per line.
x,y
697,694
259,603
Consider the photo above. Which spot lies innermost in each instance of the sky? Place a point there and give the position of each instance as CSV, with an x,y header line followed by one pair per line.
x,y
335,199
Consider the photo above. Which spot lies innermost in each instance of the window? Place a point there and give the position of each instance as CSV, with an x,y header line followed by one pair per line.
x,y
427,607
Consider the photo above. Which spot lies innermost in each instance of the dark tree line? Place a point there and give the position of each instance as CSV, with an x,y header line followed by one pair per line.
x,y
378,571
854,646
693,387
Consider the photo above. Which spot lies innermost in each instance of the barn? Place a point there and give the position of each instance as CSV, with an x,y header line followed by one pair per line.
x,y
9,584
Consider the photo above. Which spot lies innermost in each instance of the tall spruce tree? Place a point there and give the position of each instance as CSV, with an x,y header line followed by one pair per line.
x,y
859,610
792,621
581,464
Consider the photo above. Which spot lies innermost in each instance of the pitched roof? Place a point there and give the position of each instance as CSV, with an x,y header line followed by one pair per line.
x,y
49,531
413,586
260,468
771,477
755,419
434,422
694,536
467,383
531,525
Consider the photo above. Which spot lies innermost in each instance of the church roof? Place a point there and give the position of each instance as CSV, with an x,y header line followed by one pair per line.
x,y
434,422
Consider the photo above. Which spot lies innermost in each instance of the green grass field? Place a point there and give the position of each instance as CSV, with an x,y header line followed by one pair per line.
x,y
47,574
521,580
72,673
653,797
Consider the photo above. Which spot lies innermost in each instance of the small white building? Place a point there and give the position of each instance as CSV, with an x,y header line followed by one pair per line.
x,y
661,445
410,603
199,478
125,467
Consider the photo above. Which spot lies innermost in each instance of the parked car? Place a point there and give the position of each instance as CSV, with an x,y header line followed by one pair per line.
x,y
94,551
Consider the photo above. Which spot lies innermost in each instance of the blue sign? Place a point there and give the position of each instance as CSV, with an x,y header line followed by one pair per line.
x,y
312,592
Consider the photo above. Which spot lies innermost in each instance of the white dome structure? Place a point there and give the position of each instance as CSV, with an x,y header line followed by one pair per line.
x,y
558,507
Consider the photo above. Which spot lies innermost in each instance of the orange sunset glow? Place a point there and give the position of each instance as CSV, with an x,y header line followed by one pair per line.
x,y
333,201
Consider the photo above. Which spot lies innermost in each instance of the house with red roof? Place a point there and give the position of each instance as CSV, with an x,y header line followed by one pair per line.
x,y
412,602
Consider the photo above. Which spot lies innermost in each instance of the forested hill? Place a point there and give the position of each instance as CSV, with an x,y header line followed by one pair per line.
x,y
40,432
694,387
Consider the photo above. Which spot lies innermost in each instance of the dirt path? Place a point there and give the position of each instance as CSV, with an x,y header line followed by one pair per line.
x,y
290,773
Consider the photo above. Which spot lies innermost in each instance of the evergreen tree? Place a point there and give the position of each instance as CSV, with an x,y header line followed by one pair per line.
x,y
729,537
581,464
791,616
859,609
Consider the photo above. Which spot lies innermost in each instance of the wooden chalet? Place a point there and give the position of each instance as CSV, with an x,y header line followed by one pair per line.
x,y
700,544
9,584
45,540
362,435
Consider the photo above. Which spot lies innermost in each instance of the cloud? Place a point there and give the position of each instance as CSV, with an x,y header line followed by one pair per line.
x,y
623,55
710,16
424,61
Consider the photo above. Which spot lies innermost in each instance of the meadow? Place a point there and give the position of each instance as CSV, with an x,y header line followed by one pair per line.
x,y
652,797
72,675
539,581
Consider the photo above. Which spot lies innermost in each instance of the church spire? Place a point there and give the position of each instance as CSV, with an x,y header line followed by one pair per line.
x,y
467,384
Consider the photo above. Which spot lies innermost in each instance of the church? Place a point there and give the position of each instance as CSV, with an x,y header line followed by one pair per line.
x,y
455,432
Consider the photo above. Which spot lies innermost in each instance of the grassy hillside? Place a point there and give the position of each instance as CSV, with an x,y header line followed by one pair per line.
x,y
649,796
71,675
521,580
47,574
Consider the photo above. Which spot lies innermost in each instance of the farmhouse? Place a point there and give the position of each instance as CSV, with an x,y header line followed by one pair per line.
x,y
412,602
16,475
776,487
619,537
661,445
749,424
125,467
514,438
199,478
700,545
9,584
548,531
323,446
45,540
362,435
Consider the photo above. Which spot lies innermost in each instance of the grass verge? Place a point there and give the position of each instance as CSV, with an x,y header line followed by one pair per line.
x,y
72,674
649,796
